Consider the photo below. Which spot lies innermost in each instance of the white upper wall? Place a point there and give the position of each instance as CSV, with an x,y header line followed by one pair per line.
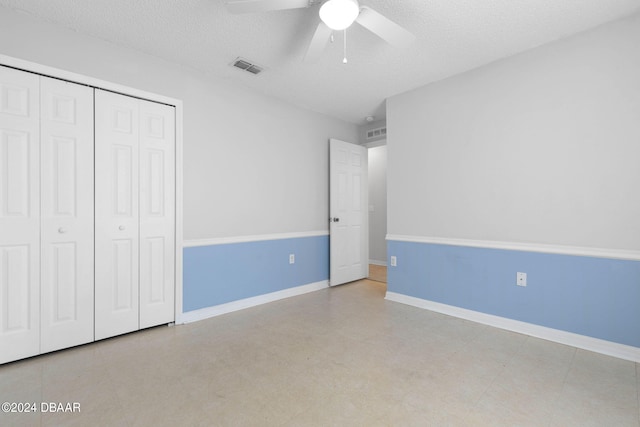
x,y
542,147
252,164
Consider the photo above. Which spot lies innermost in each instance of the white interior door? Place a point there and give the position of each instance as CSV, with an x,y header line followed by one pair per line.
x,y
157,213
348,218
19,215
66,140
116,208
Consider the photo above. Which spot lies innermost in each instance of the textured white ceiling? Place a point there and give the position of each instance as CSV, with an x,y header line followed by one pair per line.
x,y
452,36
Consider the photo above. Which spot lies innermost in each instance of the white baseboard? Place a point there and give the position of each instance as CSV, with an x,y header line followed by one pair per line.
x,y
217,310
375,262
568,338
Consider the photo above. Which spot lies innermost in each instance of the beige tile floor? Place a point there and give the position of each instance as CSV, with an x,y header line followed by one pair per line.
x,y
342,356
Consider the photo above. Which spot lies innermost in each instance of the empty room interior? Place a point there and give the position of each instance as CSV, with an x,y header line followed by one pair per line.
x,y
320,212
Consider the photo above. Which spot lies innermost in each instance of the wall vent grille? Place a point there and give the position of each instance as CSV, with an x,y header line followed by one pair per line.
x,y
247,66
377,133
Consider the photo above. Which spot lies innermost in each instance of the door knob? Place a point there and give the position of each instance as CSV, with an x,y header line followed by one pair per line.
x,y
334,219
121,227
62,230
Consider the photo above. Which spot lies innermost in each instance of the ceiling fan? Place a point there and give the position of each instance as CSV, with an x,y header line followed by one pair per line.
x,y
335,15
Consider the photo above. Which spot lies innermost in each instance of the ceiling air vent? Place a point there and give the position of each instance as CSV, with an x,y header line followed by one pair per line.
x,y
247,66
377,133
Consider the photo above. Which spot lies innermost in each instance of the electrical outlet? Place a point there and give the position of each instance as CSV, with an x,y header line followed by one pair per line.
x,y
292,258
394,261
521,279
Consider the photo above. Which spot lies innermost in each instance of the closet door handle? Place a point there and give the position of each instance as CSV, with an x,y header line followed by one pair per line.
x,y
121,227
62,230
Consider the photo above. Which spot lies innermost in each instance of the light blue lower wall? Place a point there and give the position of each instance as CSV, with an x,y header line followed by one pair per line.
x,y
219,274
596,297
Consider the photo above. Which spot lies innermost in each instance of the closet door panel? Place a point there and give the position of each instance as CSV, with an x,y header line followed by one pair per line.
x,y
116,214
157,213
67,214
19,215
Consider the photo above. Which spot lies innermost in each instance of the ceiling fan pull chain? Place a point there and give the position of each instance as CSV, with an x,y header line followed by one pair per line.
x,y
344,61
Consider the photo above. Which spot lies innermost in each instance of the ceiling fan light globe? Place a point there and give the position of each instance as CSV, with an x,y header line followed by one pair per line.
x,y
339,14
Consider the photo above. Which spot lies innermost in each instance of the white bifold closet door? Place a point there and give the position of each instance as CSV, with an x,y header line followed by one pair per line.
x,y
66,187
135,219
19,215
46,214
157,214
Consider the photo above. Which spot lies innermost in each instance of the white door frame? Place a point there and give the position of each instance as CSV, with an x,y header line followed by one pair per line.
x,y
369,145
125,90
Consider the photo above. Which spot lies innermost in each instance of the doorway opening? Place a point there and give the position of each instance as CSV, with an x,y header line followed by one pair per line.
x,y
377,153
358,212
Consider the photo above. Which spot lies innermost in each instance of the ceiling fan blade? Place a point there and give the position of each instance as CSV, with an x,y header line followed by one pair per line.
x,y
318,42
384,28
251,6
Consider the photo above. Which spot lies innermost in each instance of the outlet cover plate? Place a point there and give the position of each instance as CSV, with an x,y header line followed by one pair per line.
x,y
521,279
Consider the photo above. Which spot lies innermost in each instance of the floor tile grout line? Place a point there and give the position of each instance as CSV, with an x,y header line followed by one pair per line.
x,y
492,381
554,412
566,375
